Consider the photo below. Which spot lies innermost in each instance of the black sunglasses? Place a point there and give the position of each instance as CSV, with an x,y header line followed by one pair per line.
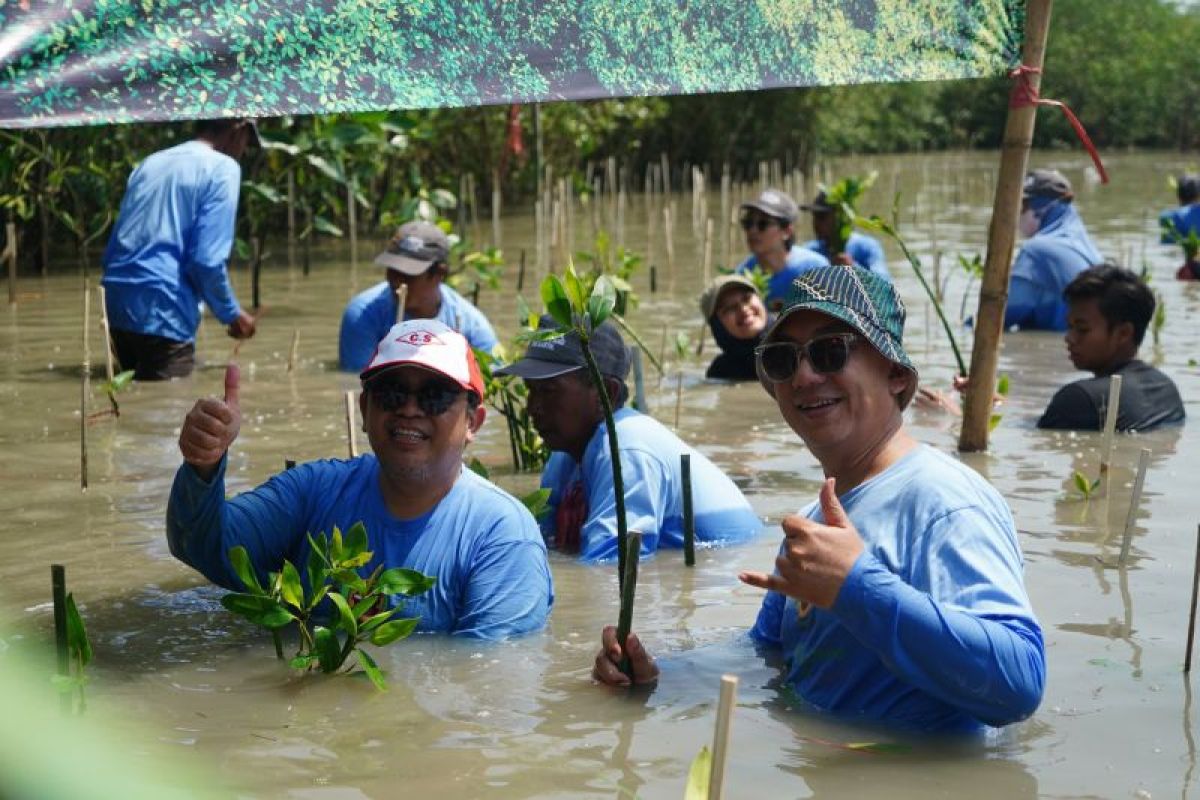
x,y
762,223
778,361
434,399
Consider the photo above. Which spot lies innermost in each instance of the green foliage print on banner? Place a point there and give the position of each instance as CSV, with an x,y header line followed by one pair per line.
x,y
117,60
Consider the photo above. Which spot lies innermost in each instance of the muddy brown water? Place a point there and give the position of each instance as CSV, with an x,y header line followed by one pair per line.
x,y
521,719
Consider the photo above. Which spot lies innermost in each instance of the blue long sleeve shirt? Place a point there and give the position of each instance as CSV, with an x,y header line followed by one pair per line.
x,y
171,243
482,545
370,314
932,629
1048,261
799,261
1177,223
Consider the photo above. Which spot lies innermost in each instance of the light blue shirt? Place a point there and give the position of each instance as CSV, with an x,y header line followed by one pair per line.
x,y
799,261
481,544
1185,219
372,313
866,251
172,239
1048,261
650,469
932,629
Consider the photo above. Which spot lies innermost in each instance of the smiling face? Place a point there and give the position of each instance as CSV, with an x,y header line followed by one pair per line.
x,y
845,416
765,235
1093,344
741,312
417,451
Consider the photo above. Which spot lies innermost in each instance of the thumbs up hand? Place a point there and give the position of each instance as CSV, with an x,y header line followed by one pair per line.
x,y
211,426
815,558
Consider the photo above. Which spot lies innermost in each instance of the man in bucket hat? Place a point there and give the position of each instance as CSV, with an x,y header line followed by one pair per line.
x,y
1058,249
565,407
897,596
769,222
421,405
417,257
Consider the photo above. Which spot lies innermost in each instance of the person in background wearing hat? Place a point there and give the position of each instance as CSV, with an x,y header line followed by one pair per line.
x,y
769,222
421,404
1179,223
417,257
737,318
861,250
169,248
565,407
1058,249
897,595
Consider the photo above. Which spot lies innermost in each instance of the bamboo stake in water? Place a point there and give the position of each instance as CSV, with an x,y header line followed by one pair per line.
x,y
496,209
667,232
633,552
291,217
725,705
678,397
1110,422
352,224
521,272
350,433
108,354
1134,500
294,353
401,301
83,392
639,381
1191,635
58,589
706,264
10,255
653,279
689,520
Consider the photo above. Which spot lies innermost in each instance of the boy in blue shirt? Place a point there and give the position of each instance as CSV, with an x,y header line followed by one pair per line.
x,y
421,405
897,595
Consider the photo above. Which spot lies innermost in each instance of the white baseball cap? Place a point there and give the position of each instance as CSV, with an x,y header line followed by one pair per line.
x,y
431,345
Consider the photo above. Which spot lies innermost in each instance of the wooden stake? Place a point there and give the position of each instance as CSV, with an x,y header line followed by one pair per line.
x,y
1006,207
10,255
294,353
521,271
352,224
639,381
678,397
706,264
256,256
689,520
653,279
1191,636
351,439
667,232
1110,422
85,373
401,301
720,751
496,209
1134,500
62,654
291,217
108,353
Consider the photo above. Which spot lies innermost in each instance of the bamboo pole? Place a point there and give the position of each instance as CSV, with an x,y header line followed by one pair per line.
x,y
108,353
401,301
352,224
256,256
10,255
62,654
1134,500
716,788
521,272
291,217
351,439
496,209
653,279
294,352
1191,635
667,232
678,398
1006,207
689,519
706,264
1110,422
85,373
639,381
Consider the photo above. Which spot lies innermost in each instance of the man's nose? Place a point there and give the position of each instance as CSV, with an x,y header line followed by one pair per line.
x,y
805,375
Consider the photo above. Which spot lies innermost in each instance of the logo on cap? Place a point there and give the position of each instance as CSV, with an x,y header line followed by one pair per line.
x,y
419,337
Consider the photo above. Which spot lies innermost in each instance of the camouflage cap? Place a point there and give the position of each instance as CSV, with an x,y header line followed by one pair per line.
x,y
866,302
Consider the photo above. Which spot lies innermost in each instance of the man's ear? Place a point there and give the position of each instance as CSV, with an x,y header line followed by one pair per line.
x,y
1123,331
475,421
899,379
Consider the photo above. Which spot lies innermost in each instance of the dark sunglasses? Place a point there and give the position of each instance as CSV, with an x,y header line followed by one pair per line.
x,y
778,361
434,399
762,223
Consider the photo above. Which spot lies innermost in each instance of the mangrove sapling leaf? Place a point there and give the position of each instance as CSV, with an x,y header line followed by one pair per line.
x,y
537,502
78,644
408,582
994,422
329,652
356,544
376,620
699,776
557,302
239,559
574,288
682,345
345,616
259,609
1086,486
1003,384
393,631
289,586
371,669
477,466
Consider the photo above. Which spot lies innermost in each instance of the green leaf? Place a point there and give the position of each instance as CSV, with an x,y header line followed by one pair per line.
x,y
407,582
994,421
345,615
604,298
574,287
120,381
304,661
324,225
536,501
317,566
476,466
1083,484
336,549
259,609
1002,386
329,652
372,669
699,776
239,559
349,579
355,541
394,631
290,587
554,296
443,199
377,620
77,638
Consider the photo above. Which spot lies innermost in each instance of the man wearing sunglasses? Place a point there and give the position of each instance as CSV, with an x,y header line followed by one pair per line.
x,y
417,257
421,406
565,407
897,596
769,221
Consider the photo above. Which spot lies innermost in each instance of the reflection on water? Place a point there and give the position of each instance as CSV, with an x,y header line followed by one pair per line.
x,y
520,719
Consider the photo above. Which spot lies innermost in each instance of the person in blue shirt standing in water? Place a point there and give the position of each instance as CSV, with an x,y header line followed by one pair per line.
x,y
897,595
1179,223
421,405
418,257
169,248
1058,249
565,408
861,250
769,222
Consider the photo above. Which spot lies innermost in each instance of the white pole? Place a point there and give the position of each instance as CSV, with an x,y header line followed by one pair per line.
x,y
350,437
1110,422
729,684
1134,500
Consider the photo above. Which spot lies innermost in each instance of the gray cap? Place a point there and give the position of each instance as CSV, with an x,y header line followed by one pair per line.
x,y
414,248
549,358
1046,183
774,203
708,300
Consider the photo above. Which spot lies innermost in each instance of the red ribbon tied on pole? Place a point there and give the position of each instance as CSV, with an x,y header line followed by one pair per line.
x,y
1024,95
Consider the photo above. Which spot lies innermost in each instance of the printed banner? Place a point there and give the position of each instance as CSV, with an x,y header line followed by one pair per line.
x,y
76,62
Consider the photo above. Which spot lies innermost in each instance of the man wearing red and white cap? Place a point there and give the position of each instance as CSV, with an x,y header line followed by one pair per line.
x,y
421,405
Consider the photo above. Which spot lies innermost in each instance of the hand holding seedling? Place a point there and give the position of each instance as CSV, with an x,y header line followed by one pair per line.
x,y
211,426
816,558
607,668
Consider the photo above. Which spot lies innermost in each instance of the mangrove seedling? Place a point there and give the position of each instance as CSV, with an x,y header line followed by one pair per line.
x,y
119,383
843,196
1084,485
699,776
79,650
974,269
358,604
1160,317
510,397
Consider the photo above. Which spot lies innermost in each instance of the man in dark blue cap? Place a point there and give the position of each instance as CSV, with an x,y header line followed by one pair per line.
x,y
565,407
897,596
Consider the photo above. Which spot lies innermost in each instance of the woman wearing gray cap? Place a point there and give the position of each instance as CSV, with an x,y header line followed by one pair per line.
x,y
769,223
737,318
